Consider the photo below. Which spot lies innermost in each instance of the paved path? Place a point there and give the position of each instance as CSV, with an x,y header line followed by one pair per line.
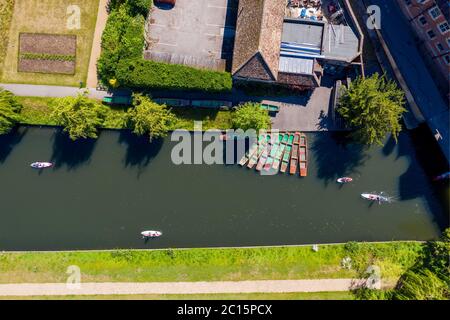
x,y
31,90
96,45
108,288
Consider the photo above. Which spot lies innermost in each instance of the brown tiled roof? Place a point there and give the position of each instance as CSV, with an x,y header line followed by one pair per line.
x,y
258,31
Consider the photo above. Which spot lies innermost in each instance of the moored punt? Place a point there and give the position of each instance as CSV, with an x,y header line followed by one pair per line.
x,y
262,161
297,138
291,139
286,157
268,164
249,154
294,151
303,155
293,166
285,138
278,156
243,160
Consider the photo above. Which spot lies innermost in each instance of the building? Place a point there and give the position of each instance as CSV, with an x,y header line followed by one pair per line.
x,y
278,42
430,22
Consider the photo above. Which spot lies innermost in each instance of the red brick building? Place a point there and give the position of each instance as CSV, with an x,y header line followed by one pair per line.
x,y
430,21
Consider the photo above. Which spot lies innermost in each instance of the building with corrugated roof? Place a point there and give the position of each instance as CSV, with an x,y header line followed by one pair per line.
x,y
272,47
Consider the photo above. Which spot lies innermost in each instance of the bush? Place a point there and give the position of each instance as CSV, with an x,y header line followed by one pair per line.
x,y
9,111
140,73
251,116
121,39
80,116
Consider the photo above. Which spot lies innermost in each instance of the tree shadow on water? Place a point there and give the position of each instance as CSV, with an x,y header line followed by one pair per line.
x,y
8,141
336,155
72,154
140,152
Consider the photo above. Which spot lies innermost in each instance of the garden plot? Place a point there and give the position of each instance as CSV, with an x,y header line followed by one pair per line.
x,y
47,53
53,18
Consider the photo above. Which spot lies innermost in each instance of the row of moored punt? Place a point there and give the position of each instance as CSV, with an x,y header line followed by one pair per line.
x,y
279,152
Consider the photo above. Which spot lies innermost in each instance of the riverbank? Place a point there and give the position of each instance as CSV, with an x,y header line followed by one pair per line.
x,y
37,110
233,264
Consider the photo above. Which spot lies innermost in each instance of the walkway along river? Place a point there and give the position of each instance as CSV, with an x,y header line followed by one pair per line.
x,y
101,194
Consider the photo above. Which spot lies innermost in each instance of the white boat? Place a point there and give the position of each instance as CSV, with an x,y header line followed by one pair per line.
x,y
41,165
151,234
344,180
374,197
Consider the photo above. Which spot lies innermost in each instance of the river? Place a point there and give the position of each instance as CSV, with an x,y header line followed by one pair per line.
x,y
102,194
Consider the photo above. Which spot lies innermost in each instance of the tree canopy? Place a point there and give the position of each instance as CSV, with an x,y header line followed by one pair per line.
x,y
373,107
80,116
149,118
250,116
9,111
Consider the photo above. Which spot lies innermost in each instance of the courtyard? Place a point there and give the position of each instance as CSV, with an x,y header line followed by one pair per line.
x,y
194,33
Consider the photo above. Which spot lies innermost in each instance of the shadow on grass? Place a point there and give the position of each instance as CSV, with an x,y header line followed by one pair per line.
x,y
9,140
71,154
140,152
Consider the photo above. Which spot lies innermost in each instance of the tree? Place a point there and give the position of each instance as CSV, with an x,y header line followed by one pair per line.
x,y
147,117
250,116
427,279
9,111
80,116
373,107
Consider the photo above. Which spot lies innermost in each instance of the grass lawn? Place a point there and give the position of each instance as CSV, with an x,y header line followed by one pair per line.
x,y
50,17
6,11
36,111
231,264
241,296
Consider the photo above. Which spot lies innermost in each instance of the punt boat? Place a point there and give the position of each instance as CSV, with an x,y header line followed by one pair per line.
x,y
286,157
303,155
262,161
291,140
278,156
297,138
248,155
293,166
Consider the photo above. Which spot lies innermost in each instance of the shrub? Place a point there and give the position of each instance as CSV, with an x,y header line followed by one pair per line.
x,y
140,73
251,116
134,7
9,111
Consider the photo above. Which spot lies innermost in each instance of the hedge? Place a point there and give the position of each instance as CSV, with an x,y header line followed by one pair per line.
x,y
134,7
122,57
140,73
121,39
